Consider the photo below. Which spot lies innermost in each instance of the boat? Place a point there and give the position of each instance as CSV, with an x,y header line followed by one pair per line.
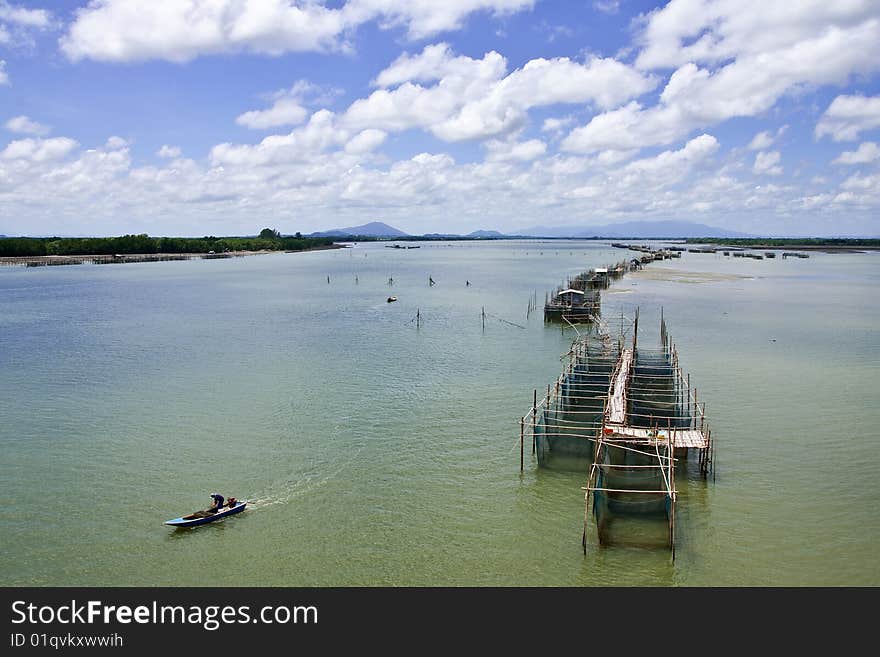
x,y
204,517
392,299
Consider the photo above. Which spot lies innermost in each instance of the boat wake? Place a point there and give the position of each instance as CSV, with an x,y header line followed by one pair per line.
x,y
285,492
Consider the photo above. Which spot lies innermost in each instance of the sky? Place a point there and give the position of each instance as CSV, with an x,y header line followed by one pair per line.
x,y
222,117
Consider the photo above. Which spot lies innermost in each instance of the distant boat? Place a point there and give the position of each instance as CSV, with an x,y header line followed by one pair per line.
x,y
204,517
391,299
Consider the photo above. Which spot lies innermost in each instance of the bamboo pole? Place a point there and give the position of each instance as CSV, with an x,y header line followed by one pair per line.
x,y
712,460
689,393
674,504
616,445
534,421
628,490
548,396
628,466
521,443
636,329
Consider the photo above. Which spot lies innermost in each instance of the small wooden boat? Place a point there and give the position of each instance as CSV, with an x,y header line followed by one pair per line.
x,y
204,517
392,299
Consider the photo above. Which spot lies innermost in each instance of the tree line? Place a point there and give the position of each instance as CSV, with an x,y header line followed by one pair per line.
x,y
268,240
786,241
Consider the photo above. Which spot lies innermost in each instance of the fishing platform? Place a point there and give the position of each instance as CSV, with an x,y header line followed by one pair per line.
x,y
629,416
578,300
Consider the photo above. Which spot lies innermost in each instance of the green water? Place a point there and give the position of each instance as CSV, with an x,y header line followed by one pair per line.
x,y
379,453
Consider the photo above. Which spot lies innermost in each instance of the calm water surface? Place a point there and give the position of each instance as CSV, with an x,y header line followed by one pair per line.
x,y
379,453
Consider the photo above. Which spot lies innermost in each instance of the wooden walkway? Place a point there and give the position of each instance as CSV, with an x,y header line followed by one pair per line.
x,y
616,420
681,438
617,391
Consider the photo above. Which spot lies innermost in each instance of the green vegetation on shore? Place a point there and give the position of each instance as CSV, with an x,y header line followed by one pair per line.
x,y
268,240
787,241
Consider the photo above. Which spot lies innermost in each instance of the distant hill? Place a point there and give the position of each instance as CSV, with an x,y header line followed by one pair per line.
x,y
637,229
485,233
372,229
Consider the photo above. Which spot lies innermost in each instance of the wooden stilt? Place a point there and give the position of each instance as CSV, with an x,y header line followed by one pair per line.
x,y
521,442
534,421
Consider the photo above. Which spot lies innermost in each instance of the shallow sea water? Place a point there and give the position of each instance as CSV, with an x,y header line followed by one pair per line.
x,y
379,453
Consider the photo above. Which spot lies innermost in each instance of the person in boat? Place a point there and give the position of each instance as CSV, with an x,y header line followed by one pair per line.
x,y
218,502
231,502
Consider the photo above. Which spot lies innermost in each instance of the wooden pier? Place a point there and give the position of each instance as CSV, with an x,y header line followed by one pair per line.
x,y
577,300
654,254
630,415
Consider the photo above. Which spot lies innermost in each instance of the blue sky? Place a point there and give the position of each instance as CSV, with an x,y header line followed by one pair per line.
x,y
197,117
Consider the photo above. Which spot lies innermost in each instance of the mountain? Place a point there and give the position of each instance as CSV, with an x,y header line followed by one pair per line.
x,y
639,229
485,234
372,229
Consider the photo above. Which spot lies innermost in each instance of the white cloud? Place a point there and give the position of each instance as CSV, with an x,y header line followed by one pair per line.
x,y
788,50
168,152
861,192
864,183
425,19
321,174
697,31
514,151
411,105
765,139
39,18
38,150
767,162
437,61
607,6
422,180
365,141
284,111
477,99
301,144
115,143
17,24
673,162
761,141
180,30
24,125
848,116
815,201
555,125
4,77
867,152
288,107
696,98
611,157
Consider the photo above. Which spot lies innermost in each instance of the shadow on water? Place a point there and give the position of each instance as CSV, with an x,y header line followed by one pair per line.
x,y
637,531
210,527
